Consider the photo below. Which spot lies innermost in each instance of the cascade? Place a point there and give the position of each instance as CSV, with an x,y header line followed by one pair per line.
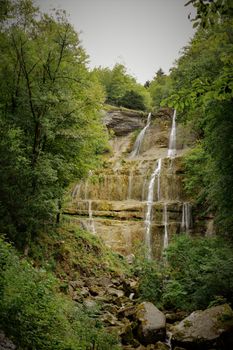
x,y
76,191
150,197
165,222
140,199
91,221
186,222
172,139
139,139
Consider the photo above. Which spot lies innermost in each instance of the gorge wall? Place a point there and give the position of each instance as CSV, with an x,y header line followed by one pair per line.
x,y
114,202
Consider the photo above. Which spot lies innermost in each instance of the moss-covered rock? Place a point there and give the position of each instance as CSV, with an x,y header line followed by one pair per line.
x,y
211,328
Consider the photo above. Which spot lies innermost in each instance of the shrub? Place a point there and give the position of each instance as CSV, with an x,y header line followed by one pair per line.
x,y
201,272
150,278
196,273
133,100
36,316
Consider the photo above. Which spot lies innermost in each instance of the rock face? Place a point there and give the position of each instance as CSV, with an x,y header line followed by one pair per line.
x,y
113,201
122,122
5,343
208,329
151,324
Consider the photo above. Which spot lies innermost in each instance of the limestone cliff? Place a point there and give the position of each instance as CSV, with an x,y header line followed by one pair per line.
x,y
113,202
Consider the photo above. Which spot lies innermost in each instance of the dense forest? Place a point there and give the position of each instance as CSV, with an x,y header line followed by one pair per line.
x,y
51,107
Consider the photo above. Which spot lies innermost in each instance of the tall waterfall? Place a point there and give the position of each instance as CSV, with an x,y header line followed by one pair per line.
x,y
165,222
172,139
186,222
150,198
139,139
91,221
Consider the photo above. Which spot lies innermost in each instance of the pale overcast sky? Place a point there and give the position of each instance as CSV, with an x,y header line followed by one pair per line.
x,y
144,35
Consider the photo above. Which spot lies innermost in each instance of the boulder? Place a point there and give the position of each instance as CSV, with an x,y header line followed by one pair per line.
x,y
123,122
161,346
6,343
151,323
208,329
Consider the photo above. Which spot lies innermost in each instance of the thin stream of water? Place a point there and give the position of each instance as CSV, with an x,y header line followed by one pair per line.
x,y
139,139
150,198
172,139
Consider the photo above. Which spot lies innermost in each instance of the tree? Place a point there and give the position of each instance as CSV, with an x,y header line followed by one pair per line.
x,y
119,85
49,118
208,12
159,88
133,100
202,87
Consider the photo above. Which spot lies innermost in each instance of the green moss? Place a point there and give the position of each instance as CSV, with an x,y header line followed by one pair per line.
x,y
71,252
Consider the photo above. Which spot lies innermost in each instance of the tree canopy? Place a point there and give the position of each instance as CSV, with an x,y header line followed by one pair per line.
x,y
122,89
202,91
49,118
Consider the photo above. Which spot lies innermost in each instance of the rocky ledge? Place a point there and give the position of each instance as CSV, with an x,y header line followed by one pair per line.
x,y
122,122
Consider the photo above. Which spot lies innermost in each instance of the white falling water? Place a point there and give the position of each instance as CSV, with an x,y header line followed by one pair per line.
x,y
138,142
76,191
91,221
165,222
150,198
168,340
186,222
172,138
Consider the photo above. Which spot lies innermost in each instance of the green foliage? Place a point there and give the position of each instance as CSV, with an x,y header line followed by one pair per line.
x,y
71,252
195,180
218,142
50,124
36,316
202,85
151,276
209,12
122,89
201,272
133,100
194,274
159,88
150,286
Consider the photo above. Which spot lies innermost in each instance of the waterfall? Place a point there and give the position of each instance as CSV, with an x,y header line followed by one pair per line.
x,y
172,138
165,222
138,142
91,221
150,197
76,191
186,222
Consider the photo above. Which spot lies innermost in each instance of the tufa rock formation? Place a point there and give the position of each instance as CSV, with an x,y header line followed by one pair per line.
x,y
113,201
